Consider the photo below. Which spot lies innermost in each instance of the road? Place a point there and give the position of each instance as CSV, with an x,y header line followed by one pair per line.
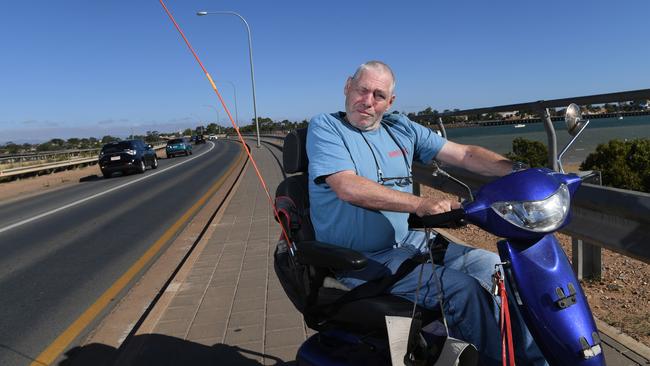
x,y
60,251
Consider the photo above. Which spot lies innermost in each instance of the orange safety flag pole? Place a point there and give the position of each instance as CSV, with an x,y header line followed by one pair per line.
x,y
223,103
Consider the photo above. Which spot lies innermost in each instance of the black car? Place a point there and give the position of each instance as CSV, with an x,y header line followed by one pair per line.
x,y
198,139
126,156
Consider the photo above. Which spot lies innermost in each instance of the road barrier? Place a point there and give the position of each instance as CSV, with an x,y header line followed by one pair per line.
x,y
71,159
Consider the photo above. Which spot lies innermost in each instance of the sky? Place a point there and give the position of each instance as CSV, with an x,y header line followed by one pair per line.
x,y
73,68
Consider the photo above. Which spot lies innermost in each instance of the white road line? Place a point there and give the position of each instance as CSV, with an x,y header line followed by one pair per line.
x,y
78,202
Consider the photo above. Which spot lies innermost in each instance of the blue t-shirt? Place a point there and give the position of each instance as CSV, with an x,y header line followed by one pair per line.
x,y
333,145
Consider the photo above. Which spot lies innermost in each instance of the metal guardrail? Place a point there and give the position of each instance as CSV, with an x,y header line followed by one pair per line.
x,y
48,167
615,219
553,103
44,155
44,167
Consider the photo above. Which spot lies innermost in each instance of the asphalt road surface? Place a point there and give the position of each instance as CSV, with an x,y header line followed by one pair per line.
x,y
60,251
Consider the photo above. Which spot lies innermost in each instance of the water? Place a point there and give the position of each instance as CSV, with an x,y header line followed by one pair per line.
x,y
599,131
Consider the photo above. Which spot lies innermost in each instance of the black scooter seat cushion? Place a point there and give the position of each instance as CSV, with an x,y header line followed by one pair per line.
x,y
368,315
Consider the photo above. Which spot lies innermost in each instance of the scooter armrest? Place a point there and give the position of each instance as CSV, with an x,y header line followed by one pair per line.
x,y
325,255
446,219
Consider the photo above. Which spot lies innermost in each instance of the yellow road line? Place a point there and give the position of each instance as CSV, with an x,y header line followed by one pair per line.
x,y
64,339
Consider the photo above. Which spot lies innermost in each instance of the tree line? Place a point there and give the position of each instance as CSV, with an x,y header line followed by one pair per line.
x,y
267,125
623,164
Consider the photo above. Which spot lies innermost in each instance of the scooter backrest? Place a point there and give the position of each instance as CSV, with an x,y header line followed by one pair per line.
x,y
294,152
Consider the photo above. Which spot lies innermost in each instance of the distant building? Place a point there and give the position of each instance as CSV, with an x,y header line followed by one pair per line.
x,y
645,105
507,115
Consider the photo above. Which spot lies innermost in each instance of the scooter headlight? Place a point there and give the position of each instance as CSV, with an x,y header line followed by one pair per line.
x,y
538,216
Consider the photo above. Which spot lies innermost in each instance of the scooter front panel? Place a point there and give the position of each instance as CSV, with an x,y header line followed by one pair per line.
x,y
552,302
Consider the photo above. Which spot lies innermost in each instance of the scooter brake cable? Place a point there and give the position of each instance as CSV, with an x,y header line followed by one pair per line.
x,y
427,234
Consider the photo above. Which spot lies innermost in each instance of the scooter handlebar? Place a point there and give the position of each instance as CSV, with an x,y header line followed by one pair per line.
x,y
453,218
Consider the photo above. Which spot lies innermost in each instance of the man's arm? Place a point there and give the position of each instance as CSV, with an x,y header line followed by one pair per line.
x,y
366,193
475,159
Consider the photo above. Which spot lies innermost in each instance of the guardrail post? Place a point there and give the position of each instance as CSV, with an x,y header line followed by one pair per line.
x,y
545,116
586,257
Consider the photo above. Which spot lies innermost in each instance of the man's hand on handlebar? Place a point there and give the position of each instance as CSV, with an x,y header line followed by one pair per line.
x,y
430,206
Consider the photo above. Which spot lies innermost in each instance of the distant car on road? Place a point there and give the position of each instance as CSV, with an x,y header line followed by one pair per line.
x,y
178,146
126,156
198,139
212,137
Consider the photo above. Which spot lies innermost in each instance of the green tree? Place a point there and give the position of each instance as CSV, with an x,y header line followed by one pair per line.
x,y
533,153
610,108
152,137
427,111
73,143
304,123
106,139
11,148
287,125
266,124
53,144
623,164
212,128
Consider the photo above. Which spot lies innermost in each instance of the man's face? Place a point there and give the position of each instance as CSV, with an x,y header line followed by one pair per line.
x,y
368,98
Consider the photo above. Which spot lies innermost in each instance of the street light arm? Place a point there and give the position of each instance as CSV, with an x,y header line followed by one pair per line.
x,y
202,13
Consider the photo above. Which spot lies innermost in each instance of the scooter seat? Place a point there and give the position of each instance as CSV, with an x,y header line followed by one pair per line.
x,y
368,315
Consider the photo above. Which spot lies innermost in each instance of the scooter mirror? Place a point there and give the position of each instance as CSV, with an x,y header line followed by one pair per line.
x,y
573,119
575,125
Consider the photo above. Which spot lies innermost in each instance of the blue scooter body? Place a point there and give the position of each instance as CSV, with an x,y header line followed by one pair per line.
x,y
336,348
546,289
552,302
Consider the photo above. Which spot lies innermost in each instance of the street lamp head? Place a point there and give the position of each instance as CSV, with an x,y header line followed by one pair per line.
x,y
200,13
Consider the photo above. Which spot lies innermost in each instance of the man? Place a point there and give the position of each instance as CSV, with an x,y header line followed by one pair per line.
x,y
360,189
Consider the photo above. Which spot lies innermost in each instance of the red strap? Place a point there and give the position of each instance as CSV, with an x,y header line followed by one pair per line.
x,y
506,329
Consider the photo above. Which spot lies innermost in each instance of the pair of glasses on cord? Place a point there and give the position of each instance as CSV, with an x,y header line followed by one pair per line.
x,y
390,181
397,181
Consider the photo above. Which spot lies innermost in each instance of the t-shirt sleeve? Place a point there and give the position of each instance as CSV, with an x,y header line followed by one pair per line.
x,y
326,149
427,143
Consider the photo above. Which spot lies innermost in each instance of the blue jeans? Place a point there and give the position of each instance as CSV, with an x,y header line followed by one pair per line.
x,y
472,312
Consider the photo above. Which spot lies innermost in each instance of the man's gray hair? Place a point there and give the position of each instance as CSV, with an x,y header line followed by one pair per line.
x,y
375,65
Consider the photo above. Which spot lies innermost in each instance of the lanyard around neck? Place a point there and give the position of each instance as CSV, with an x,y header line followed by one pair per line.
x,y
380,174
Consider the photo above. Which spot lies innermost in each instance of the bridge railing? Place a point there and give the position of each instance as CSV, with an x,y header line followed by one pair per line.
x,y
20,165
602,217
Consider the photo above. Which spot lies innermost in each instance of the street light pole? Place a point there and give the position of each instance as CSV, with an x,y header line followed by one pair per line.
x,y
250,57
215,109
234,91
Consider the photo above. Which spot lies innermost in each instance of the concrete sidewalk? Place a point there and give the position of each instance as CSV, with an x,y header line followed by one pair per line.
x,y
226,306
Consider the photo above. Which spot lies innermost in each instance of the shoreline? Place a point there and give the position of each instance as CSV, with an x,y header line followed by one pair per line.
x,y
516,121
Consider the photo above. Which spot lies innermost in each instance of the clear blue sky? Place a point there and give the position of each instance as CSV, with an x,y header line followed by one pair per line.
x,y
91,68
